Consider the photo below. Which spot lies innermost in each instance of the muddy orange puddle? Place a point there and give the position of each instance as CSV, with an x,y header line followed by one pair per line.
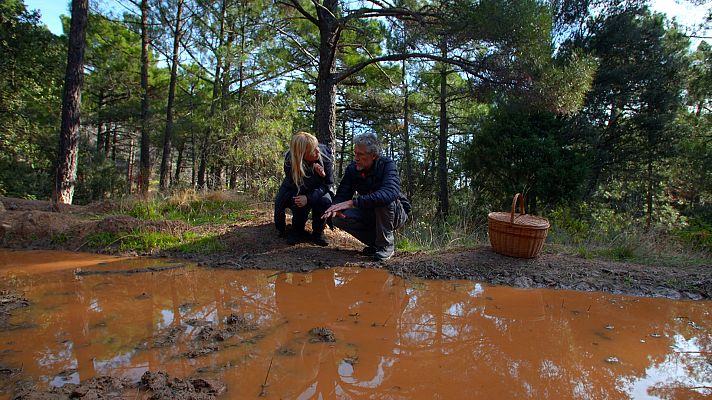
x,y
395,338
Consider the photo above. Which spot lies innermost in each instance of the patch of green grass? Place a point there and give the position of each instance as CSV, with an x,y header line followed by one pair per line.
x,y
147,240
201,244
137,239
407,246
148,211
101,239
585,252
141,240
196,212
625,252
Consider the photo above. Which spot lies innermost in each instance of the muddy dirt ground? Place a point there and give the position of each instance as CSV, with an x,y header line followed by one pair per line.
x,y
255,245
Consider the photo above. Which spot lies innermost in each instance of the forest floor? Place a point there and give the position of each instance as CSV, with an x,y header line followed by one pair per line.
x,y
253,244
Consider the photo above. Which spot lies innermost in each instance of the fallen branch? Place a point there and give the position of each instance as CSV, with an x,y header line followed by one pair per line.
x,y
129,271
263,391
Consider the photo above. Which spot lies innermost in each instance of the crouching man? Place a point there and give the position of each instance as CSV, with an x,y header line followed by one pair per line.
x,y
380,207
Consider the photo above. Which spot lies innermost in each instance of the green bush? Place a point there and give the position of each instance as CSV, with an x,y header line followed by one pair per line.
x,y
698,233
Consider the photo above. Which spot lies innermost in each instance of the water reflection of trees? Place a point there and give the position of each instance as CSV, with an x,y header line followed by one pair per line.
x,y
532,344
395,338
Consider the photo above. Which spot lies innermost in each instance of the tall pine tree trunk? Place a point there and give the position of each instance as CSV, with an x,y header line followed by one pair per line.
x,y
443,202
114,142
342,153
168,135
217,86
130,167
406,136
99,123
649,194
67,155
325,116
145,168
179,164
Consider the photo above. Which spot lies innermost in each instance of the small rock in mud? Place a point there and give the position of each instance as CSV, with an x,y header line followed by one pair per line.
x,y
523,282
201,350
162,387
238,323
169,337
693,296
205,333
286,352
321,335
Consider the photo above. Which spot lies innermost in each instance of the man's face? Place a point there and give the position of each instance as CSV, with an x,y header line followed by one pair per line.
x,y
364,160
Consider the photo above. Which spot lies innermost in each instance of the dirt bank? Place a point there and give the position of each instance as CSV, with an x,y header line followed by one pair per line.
x,y
254,245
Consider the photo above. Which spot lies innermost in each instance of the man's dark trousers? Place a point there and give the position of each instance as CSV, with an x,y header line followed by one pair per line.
x,y
374,226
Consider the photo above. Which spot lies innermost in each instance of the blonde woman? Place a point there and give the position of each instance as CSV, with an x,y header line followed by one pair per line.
x,y
306,187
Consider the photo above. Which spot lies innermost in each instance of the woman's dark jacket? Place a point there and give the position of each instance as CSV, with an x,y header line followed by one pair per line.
x,y
377,187
314,186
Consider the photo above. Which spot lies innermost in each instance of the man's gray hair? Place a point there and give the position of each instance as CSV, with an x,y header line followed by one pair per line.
x,y
370,140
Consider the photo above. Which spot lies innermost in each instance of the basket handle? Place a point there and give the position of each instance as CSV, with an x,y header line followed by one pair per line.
x,y
514,205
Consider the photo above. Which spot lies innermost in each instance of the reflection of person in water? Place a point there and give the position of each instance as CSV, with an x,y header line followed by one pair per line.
x,y
362,308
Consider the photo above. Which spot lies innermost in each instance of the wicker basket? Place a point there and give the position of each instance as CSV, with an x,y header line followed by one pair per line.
x,y
517,234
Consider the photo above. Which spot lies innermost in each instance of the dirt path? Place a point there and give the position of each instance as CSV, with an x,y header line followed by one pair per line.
x,y
255,245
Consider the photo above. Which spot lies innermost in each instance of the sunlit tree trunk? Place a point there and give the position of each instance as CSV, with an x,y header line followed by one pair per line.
x,y
168,136
129,168
217,89
67,155
114,141
99,123
325,116
145,160
179,165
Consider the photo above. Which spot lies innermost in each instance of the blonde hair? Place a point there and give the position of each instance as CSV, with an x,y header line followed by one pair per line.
x,y
300,144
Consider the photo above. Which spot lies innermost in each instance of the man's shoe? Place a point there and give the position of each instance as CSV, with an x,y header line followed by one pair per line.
x,y
369,251
382,254
320,239
294,237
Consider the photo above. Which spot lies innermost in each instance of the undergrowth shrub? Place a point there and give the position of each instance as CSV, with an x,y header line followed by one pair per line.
x,y
191,207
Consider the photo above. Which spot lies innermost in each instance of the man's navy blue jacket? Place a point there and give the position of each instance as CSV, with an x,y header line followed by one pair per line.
x,y
314,186
377,187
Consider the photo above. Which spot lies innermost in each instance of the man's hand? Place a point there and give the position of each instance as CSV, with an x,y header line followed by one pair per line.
x,y
319,170
300,201
335,209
